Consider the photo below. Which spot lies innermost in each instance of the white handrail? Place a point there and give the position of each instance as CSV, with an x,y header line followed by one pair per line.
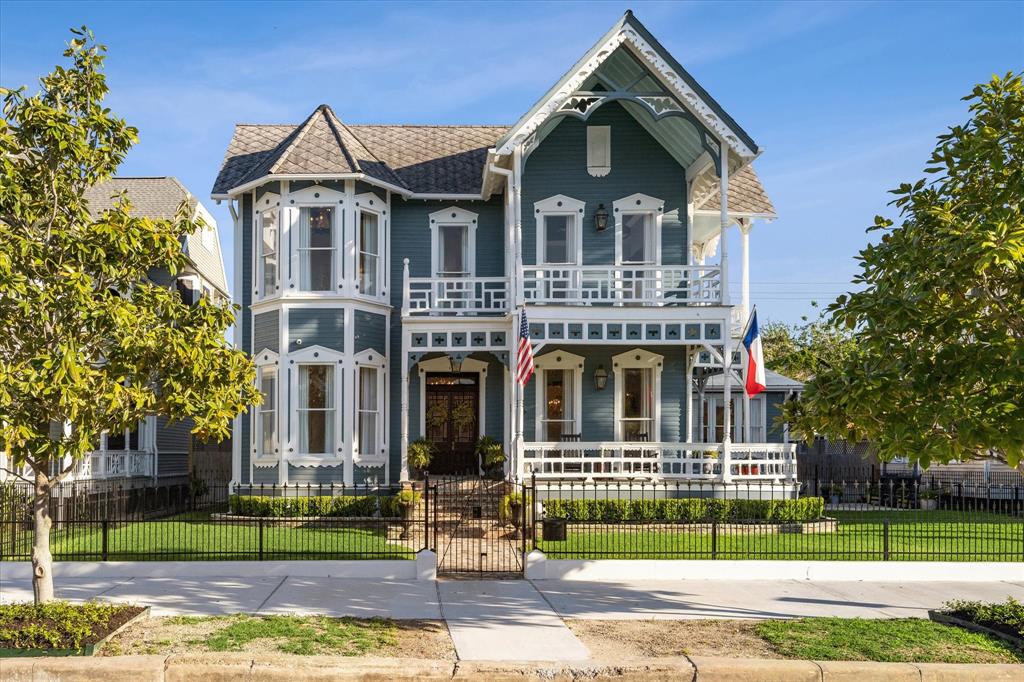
x,y
623,284
455,295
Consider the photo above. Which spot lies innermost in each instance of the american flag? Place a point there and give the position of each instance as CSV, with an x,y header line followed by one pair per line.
x,y
524,354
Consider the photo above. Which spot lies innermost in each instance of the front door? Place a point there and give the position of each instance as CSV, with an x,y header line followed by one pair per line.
x,y
452,414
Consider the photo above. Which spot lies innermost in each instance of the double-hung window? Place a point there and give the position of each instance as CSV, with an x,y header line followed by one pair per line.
x,y
316,248
453,245
369,410
559,246
559,389
266,416
316,410
268,253
637,421
369,253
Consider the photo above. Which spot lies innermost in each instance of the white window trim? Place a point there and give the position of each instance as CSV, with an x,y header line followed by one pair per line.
x,y
443,365
370,358
556,205
368,202
453,215
638,204
265,358
271,201
594,135
558,360
307,197
638,359
316,355
713,400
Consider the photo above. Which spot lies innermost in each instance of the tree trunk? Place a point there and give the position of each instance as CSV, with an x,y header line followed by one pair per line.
x,y
42,560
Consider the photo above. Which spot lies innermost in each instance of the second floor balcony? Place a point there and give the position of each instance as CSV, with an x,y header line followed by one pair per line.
x,y
564,285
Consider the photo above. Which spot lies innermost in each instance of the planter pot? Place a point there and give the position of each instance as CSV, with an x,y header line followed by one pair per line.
x,y
554,530
408,518
834,500
928,505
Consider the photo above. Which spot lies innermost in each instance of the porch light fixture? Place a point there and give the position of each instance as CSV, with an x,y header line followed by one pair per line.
x,y
601,218
600,377
456,363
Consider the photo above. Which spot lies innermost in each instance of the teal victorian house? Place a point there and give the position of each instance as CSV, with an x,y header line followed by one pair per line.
x,y
382,269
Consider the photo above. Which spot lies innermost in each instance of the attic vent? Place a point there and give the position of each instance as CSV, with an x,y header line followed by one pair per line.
x,y
599,150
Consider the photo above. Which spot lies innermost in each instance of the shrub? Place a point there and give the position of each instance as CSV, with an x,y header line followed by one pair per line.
x,y
420,453
57,624
686,510
314,505
505,511
1006,617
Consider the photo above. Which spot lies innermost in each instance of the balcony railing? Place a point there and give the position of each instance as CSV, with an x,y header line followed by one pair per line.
x,y
114,464
698,461
622,285
456,296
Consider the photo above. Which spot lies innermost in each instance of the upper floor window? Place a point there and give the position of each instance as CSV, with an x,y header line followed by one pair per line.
x,y
453,242
316,248
638,244
559,238
268,251
599,150
369,245
316,410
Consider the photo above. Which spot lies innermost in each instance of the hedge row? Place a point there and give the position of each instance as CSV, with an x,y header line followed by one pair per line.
x,y
318,505
687,510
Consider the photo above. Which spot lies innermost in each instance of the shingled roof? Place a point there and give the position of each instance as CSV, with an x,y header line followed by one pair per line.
x,y
746,195
159,198
423,159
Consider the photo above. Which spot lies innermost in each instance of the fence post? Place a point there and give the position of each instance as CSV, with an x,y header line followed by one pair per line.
x,y
885,540
261,539
714,539
106,529
522,520
426,511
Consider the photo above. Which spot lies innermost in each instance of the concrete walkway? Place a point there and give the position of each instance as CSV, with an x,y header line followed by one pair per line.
x,y
521,620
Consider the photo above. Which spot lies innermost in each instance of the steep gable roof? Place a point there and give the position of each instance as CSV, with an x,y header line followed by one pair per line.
x,y
746,195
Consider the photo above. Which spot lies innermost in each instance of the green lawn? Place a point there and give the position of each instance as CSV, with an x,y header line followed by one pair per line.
x,y
915,536
898,640
196,537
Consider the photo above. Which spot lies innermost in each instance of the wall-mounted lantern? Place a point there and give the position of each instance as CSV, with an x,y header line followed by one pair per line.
x,y
600,377
601,218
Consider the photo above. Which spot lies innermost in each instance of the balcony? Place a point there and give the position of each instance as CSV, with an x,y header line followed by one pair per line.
x,y
114,464
435,296
622,285
689,461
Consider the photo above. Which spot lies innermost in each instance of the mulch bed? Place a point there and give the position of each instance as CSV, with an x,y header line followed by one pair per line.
x,y
61,636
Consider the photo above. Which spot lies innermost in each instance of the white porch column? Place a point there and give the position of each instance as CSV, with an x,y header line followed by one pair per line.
x,y
746,416
745,226
517,397
726,473
723,243
688,438
405,401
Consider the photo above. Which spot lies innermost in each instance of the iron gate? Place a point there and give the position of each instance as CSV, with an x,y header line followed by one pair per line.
x,y
476,526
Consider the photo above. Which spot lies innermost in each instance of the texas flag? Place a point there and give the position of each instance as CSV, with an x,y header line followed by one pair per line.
x,y
755,360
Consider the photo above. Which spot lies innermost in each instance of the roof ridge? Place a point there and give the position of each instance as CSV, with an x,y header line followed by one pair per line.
x,y
331,118
297,135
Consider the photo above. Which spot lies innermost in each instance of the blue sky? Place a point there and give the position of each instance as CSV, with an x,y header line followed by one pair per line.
x,y
845,98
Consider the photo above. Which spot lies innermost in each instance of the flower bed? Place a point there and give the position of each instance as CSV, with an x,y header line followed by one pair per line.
x,y
61,629
687,510
1005,620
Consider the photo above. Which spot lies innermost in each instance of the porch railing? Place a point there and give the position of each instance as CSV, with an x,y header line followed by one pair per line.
x,y
697,461
455,296
622,284
114,464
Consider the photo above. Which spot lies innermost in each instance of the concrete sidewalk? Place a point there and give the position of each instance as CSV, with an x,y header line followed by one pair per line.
x,y
520,620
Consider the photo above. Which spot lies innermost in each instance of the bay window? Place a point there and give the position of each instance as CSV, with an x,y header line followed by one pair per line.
x,y
316,248
369,246
268,253
369,410
316,410
266,415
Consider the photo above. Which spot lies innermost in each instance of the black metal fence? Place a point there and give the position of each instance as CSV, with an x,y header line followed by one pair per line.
x,y
258,522
813,520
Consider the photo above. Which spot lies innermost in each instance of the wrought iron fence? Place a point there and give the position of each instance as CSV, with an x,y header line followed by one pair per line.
x,y
257,522
812,520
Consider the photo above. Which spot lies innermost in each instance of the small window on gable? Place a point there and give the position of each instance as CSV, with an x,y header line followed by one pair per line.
x,y
599,150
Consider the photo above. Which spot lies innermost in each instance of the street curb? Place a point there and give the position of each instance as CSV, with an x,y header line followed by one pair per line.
x,y
230,666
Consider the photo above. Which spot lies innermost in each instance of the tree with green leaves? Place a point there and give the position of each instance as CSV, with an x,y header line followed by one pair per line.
x,y
938,370
801,351
89,343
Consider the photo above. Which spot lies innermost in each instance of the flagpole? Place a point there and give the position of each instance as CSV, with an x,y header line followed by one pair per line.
x,y
743,376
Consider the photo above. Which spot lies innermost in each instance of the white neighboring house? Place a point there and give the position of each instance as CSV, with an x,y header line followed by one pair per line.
x,y
155,449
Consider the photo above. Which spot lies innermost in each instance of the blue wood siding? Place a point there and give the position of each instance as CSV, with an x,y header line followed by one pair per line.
x,y
369,332
316,327
173,437
265,332
265,475
598,407
773,410
639,164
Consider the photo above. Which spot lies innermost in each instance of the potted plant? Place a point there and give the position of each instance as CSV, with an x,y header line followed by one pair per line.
x,y
512,510
492,457
407,501
928,499
833,493
419,454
